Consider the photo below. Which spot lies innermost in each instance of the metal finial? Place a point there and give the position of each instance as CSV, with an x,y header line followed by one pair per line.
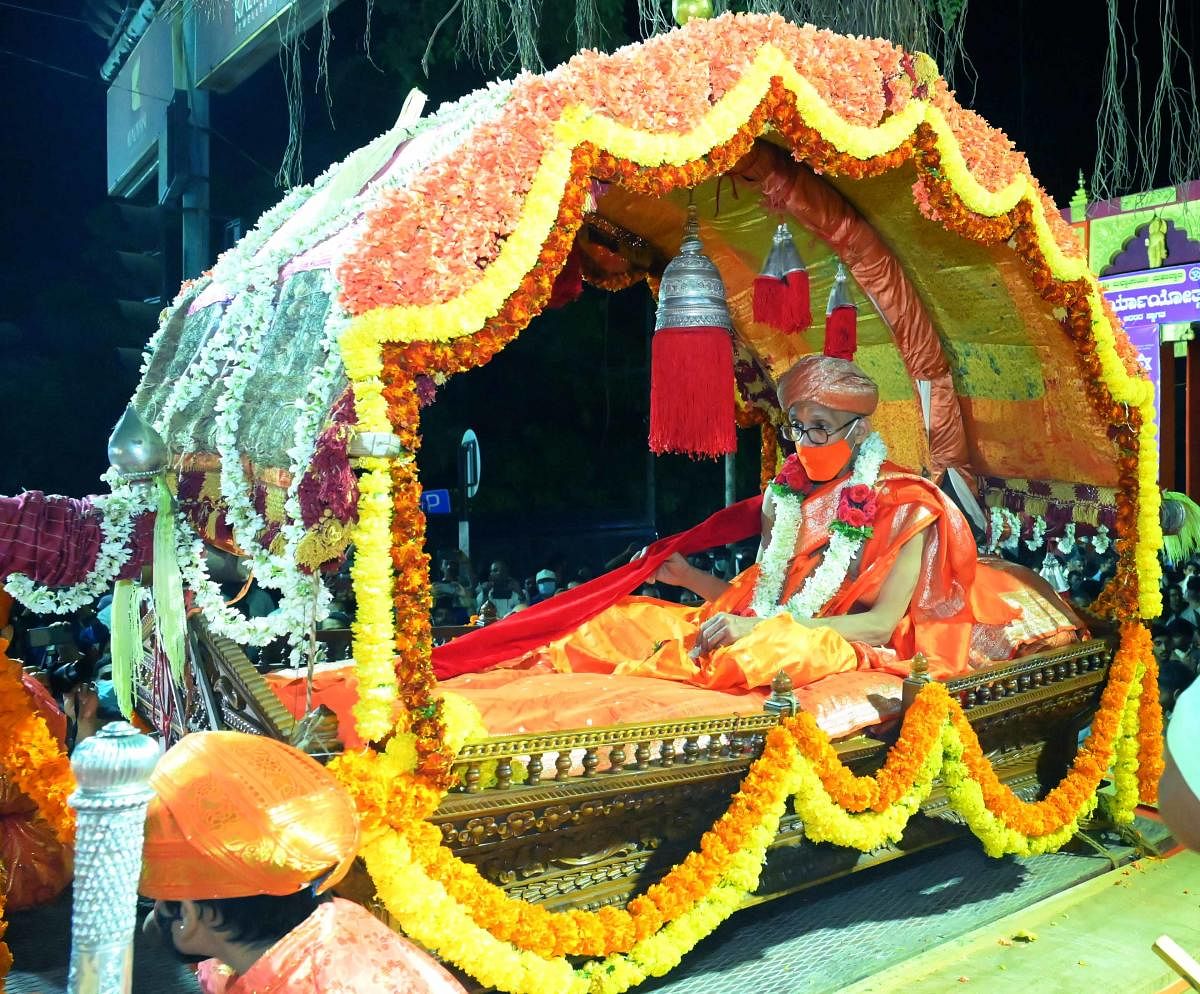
x,y
112,769
839,295
692,293
691,231
787,256
782,699
135,449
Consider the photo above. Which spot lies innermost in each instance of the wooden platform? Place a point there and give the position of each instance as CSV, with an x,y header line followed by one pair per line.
x,y
1094,937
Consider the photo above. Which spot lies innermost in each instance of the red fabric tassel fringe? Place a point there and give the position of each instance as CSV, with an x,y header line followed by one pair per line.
x,y
841,333
568,286
783,304
691,392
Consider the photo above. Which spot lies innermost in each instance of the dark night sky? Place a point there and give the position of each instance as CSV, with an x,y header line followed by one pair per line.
x,y
1038,66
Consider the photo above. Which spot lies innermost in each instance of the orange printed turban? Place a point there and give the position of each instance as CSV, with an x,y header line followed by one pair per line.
x,y
236,815
835,383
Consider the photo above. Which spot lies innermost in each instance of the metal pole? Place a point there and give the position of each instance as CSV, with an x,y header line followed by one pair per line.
x,y
730,478
197,251
112,769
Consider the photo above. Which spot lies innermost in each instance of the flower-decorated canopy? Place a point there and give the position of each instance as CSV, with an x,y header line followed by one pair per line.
x,y
425,252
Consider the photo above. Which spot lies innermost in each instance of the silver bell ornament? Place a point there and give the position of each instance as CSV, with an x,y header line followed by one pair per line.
x,y
691,369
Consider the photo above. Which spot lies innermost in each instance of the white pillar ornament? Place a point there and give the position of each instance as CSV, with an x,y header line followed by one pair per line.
x,y
112,769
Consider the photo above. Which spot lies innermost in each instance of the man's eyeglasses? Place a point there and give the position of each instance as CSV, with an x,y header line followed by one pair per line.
x,y
815,436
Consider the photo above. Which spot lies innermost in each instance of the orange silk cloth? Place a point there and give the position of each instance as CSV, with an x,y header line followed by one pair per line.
x,y
341,948
642,636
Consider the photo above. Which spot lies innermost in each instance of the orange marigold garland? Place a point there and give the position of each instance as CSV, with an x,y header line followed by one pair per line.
x,y
30,756
535,929
1150,729
1092,761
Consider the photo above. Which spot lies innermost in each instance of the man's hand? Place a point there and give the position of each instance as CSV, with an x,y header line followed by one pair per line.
x,y
674,570
723,629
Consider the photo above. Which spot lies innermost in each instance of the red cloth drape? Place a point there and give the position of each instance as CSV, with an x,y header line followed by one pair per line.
x,y
54,540
554,618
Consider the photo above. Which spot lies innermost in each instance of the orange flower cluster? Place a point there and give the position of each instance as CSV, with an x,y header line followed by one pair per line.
x,y
377,797
918,736
30,756
1058,807
411,592
946,205
810,147
1150,733
533,928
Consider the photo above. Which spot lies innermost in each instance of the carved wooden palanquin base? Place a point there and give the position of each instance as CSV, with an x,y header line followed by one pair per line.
x,y
590,817
589,835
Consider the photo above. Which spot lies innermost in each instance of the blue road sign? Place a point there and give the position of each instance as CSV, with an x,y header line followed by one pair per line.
x,y
435,501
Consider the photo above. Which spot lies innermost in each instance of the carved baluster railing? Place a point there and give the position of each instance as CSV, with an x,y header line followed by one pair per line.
x,y
473,777
616,758
591,759
641,756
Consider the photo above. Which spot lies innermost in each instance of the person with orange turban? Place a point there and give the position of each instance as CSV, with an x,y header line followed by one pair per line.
x,y
245,837
871,566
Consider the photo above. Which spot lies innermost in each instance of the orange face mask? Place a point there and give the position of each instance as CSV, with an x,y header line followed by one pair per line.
x,y
823,462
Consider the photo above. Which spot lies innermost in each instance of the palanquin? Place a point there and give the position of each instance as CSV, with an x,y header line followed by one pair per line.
x,y
588,817
287,386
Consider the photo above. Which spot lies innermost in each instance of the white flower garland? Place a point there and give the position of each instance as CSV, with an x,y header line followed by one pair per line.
x,y
1101,541
826,579
233,353
1038,537
999,518
118,512
1066,544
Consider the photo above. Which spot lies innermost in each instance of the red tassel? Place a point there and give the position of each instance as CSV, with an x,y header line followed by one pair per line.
x,y
568,286
691,392
783,304
801,312
841,333
771,301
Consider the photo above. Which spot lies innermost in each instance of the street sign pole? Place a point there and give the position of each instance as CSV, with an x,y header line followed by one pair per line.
x,y
468,485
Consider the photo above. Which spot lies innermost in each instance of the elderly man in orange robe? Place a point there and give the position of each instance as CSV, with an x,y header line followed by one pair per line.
x,y
244,838
862,565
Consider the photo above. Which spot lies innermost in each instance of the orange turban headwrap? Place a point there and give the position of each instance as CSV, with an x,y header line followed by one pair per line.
x,y
236,815
836,383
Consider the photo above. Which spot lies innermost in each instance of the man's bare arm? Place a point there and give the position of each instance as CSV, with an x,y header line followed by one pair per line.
x,y
875,625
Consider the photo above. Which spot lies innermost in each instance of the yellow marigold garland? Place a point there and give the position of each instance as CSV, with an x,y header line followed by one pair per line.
x,y
375,712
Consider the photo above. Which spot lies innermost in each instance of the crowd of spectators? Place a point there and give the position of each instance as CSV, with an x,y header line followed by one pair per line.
x,y
462,596
1177,631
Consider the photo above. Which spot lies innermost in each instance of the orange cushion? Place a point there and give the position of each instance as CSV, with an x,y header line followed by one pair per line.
x,y
845,703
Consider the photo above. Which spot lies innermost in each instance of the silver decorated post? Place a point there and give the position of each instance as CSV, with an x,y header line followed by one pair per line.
x,y
112,769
